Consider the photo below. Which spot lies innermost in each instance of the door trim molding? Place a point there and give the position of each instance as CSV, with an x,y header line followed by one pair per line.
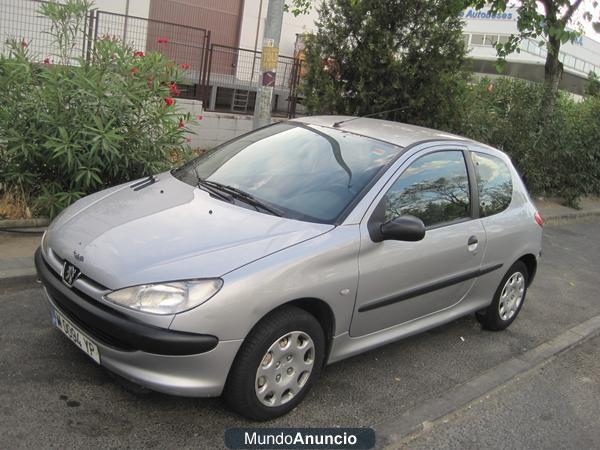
x,y
415,292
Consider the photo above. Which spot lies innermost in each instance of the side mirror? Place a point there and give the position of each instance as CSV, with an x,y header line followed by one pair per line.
x,y
403,228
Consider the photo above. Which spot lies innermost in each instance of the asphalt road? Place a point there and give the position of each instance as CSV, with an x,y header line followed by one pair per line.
x,y
51,395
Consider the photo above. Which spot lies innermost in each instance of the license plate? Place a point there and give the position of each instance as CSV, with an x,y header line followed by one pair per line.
x,y
73,333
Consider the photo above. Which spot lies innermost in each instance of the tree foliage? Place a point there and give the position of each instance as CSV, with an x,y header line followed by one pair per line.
x,y
369,56
549,23
593,86
298,7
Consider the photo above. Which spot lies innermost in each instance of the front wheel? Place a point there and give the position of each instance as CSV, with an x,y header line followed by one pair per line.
x,y
508,299
277,364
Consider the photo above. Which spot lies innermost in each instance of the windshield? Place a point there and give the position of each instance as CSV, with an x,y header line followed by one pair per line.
x,y
309,173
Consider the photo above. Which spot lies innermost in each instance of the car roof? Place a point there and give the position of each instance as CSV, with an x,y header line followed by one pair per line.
x,y
401,134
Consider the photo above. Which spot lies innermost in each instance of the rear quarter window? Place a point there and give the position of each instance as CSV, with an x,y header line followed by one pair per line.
x,y
494,182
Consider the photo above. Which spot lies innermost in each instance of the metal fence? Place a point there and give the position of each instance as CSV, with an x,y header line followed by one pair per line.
x,y
225,78
185,45
234,74
238,67
21,21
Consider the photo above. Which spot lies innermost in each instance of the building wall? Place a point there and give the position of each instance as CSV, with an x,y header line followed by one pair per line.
x,y
213,128
221,17
216,128
137,8
290,27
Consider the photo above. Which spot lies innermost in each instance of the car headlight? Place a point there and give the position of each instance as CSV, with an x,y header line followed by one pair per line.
x,y
166,298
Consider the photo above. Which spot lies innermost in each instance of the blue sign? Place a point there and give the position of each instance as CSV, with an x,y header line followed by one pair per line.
x,y
473,14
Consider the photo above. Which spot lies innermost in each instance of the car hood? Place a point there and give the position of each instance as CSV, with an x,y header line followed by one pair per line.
x,y
164,231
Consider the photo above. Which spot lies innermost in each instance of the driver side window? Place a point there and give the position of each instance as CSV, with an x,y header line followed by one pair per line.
x,y
434,188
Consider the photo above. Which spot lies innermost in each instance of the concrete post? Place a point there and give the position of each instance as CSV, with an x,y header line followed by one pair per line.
x,y
268,63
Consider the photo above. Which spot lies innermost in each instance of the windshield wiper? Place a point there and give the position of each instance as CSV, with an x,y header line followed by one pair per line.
x,y
226,192
244,196
211,188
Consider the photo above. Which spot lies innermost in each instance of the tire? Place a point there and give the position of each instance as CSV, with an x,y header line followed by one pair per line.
x,y
253,376
504,309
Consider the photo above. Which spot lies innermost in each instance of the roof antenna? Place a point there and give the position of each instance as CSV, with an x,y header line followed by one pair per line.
x,y
337,124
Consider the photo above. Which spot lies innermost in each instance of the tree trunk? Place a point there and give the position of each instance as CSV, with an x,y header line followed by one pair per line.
x,y
553,71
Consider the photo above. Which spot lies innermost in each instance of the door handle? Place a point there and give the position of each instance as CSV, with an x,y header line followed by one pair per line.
x,y
472,244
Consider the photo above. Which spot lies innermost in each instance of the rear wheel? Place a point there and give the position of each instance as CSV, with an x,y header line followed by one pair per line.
x,y
277,364
508,299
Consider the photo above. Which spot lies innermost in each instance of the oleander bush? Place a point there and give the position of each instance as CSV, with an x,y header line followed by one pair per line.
x,y
69,126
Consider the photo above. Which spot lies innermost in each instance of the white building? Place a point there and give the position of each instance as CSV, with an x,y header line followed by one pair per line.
x,y
483,30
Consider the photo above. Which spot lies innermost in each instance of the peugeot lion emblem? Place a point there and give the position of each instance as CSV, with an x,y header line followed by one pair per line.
x,y
69,273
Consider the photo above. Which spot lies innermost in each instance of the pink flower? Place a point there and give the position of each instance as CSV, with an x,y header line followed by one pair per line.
x,y
169,101
198,117
24,44
162,40
174,90
138,54
46,60
188,140
134,70
181,123
185,66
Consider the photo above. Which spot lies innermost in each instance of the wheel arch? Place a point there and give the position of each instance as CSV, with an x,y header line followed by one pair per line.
x,y
316,307
530,262
324,315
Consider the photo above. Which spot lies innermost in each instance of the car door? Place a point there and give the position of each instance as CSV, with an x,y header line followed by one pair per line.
x,y
402,281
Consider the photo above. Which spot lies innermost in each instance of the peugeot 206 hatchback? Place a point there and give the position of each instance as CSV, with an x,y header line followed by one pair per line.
x,y
248,269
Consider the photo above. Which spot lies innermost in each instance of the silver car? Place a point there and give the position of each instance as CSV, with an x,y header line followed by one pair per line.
x,y
297,245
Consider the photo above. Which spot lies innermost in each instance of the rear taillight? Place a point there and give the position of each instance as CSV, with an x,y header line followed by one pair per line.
x,y
538,219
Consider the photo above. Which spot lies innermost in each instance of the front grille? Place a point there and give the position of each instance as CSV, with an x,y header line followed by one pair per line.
x,y
60,261
69,309
114,328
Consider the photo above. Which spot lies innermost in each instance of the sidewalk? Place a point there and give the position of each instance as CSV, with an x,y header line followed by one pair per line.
x,y
17,248
16,257
555,405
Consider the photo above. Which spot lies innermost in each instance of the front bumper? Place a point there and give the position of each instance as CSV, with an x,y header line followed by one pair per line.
x,y
168,361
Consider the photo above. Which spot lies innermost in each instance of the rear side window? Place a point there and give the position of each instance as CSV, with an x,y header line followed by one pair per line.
x,y
494,183
434,188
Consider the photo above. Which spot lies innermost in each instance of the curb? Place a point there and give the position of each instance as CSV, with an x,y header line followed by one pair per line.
x,y
17,278
24,223
553,220
394,433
